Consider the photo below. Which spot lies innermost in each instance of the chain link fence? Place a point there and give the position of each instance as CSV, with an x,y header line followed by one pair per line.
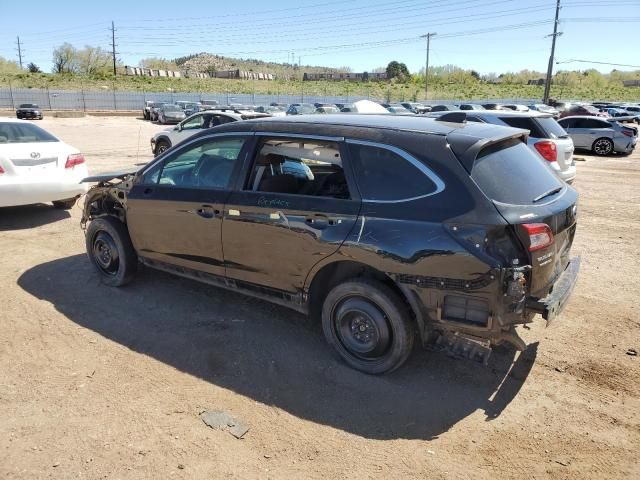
x,y
113,100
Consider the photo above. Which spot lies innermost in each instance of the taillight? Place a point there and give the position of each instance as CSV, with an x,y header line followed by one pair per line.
x,y
547,149
628,133
73,160
540,235
1,170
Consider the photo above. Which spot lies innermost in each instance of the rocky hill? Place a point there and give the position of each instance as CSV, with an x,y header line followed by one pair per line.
x,y
205,62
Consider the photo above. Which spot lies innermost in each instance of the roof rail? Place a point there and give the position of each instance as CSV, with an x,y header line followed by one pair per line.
x,y
453,117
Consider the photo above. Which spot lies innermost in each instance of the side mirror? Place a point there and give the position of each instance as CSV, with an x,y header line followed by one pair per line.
x,y
178,127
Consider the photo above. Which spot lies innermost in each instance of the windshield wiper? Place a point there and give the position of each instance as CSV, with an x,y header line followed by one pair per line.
x,y
546,194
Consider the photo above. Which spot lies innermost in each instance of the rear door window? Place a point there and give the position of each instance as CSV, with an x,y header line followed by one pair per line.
x,y
387,174
590,123
299,166
509,172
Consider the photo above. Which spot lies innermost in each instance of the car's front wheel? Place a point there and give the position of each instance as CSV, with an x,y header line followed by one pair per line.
x,y
111,252
368,325
603,146
161,146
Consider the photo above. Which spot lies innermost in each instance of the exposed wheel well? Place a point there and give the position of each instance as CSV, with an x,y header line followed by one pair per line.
x,y
334,273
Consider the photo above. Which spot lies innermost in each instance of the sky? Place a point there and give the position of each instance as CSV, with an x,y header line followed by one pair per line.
x,y
484,35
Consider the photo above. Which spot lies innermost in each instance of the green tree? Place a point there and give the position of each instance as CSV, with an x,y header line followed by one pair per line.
x,y
397,70
33,68
8,66
92,60
64,58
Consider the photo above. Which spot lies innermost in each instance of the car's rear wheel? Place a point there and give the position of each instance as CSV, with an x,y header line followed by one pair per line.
x,y
110,250
368,325
161,146
602,146
65,204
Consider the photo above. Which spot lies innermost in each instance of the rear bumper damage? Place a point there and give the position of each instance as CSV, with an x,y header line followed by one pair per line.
x,y
552,305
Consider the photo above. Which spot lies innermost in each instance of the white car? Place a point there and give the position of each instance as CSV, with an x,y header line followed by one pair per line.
x,y
36,167
165,139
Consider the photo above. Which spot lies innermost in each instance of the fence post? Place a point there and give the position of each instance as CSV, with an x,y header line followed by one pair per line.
x,y
301,92
49,98
84,105
13,103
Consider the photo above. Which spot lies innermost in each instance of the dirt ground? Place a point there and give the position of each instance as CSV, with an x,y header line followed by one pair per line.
x,y
109,383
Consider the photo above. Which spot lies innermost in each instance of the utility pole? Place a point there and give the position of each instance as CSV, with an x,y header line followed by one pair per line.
x,y
19,52
426,68
113,46
554,35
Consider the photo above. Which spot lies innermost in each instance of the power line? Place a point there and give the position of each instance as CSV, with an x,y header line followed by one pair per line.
x,y
388,27
599,63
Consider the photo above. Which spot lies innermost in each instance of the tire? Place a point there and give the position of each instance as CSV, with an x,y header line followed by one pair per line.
x,y
355,311
65,204
110,251
161,146
602,146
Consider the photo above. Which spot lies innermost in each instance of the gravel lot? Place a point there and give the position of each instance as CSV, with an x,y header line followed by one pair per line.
x,y
109,383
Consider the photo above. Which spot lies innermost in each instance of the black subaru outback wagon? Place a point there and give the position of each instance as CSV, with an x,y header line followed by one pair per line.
x,y
387,228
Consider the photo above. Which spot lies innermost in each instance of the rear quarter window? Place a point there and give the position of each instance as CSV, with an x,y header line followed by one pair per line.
x,y
511,173
387,174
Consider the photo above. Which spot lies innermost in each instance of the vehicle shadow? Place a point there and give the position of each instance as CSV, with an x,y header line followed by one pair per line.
x,y
275,356
29,216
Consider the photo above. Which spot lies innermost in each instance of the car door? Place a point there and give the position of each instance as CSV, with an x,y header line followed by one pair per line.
x,y
174,210
578,130
296,206
591,129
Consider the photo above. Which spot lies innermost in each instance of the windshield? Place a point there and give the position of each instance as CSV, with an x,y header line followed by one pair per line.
x,y
171,108
509,172
23,133
553,128
28,105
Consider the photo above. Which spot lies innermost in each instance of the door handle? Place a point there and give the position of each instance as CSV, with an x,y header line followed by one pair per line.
x,y
147,191
207,211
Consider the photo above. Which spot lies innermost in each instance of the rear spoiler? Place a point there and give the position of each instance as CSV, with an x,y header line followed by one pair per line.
x,y
467,146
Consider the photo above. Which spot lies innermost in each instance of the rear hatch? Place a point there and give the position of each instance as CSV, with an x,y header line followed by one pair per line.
x,y
540,208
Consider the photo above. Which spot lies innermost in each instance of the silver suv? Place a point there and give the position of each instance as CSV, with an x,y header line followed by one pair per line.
x,y
165,139
546,138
